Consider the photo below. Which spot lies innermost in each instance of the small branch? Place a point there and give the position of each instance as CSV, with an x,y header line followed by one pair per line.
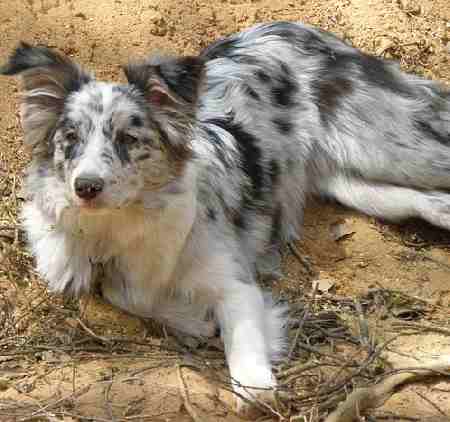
x,y
422,327
302,322
91,333
301,259
184,393
364,399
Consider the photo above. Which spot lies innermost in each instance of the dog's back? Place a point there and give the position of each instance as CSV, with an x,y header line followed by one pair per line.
x,y
295,111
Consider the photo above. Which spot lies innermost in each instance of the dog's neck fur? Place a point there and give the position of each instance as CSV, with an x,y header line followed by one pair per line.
x,y
148,236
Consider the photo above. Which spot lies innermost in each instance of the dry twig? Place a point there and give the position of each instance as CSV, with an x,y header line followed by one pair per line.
x,y
184,393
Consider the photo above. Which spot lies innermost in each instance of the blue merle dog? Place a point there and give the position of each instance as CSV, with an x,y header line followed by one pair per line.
x,y
183,184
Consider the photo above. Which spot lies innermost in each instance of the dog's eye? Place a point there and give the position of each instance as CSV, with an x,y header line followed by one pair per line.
x,y
129,139
71,136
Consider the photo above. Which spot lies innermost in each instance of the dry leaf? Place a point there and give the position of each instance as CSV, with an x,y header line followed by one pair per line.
x,y
341,231
323,285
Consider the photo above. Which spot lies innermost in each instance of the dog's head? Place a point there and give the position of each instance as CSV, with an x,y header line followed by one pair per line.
x,y
107,144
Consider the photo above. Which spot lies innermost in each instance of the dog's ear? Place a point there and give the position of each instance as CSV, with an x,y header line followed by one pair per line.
x,y
47,79
171,88
168,83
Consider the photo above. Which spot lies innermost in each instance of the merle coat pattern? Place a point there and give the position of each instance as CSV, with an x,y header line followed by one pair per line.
x,y
183,184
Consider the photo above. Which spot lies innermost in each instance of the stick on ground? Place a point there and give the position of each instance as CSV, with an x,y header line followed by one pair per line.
x,y
364,399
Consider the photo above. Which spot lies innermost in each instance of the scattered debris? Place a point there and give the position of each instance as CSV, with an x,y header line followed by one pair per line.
x,y
341,231
323,285
408,313
384,44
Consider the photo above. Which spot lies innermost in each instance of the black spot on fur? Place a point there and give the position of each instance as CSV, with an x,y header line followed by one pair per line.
x,y
221,48
378,73
427,129
283,125
218,145
308,39
330,92
247,145
284,91
211,214
107,129
253,193
262,76
286,70
251,92
107,157
339,69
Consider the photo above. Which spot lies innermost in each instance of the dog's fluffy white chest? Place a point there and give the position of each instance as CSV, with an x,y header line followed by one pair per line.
x,y
140,246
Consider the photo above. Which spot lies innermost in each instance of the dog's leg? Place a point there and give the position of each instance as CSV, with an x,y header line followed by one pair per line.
x,y
252,334
241,317
179,314
251,326
390,202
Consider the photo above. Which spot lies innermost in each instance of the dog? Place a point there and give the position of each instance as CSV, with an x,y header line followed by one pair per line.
x,y
182,185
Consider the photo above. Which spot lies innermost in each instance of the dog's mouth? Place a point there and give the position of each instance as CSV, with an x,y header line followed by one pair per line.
x,y
93,207
90,205
98,206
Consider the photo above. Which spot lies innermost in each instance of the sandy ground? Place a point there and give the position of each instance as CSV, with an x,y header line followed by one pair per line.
x,y
413,258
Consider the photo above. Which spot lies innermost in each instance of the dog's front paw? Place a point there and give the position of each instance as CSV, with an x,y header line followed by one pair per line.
x,y
254,390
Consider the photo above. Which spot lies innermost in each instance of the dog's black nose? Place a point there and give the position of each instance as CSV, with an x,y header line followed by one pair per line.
x,y
88,187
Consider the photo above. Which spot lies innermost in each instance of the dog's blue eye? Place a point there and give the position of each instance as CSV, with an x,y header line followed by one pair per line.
x,y
72,137
129,139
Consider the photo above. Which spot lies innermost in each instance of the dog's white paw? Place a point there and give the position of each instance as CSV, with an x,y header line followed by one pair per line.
x,y
255,390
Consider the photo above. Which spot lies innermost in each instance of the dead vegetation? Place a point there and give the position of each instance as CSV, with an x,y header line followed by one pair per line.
x,y
338,368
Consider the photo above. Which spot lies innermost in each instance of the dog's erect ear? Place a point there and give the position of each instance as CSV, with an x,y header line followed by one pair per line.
x,y
47,79
171,88
171,83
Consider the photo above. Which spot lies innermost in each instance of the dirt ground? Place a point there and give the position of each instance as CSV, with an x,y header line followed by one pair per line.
x,y
56,355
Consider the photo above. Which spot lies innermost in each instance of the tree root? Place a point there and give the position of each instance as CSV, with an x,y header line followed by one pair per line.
x,y
363,399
